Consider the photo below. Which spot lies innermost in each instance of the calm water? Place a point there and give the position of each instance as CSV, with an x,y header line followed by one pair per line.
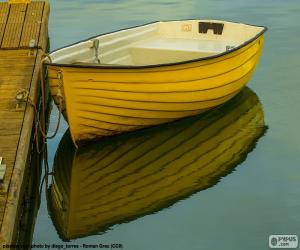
x,y
260,197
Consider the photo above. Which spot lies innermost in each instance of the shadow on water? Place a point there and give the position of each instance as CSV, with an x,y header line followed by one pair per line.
x,y
128,176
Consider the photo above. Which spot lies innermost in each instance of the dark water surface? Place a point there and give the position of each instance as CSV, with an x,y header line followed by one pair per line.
x,y
245,196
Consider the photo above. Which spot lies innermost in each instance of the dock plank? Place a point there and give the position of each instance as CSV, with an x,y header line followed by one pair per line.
x,y
32,24
4,11
14,26
9,136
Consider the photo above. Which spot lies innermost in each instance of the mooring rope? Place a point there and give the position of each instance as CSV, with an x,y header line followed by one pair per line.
x,y
42,125
59,96
23,96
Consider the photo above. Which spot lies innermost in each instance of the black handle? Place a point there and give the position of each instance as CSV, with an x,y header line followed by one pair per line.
x,y
216,27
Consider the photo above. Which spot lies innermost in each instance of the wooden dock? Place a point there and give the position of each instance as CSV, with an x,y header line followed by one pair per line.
x,y
23,41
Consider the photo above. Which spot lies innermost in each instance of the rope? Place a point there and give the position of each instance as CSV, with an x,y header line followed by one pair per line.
x,y
42,126
23,95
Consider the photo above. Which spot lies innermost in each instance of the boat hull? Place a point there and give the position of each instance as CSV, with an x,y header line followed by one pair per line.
x,y
104,101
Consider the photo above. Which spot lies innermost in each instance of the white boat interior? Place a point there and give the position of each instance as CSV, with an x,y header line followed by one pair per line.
x,y
158,43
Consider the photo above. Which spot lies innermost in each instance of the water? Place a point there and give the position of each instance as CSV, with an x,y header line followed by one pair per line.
x,y
261,196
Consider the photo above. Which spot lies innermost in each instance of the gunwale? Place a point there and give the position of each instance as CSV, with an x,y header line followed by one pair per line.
x,y
159,65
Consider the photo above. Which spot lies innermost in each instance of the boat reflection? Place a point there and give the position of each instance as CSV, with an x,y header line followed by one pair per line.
x,y
131,175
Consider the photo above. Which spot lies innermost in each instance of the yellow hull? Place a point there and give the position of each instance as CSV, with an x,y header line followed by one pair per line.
x,y
140,173
103,101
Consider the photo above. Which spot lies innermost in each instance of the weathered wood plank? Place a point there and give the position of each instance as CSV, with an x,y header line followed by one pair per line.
x,y
8,112
10,115
13,53
22,65
12,120
14,26
4,69
4,11
32,25
8,142
43,40
14,130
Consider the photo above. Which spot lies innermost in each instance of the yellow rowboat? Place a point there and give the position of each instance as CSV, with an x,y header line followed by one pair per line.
x,y
151,74
139,173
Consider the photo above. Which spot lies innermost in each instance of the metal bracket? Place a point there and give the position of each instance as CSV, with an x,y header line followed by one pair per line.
x,y
229,47
96,43
21,99
32,45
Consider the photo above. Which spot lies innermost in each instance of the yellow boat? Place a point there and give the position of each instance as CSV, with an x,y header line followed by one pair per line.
x,y
151,74
139,173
